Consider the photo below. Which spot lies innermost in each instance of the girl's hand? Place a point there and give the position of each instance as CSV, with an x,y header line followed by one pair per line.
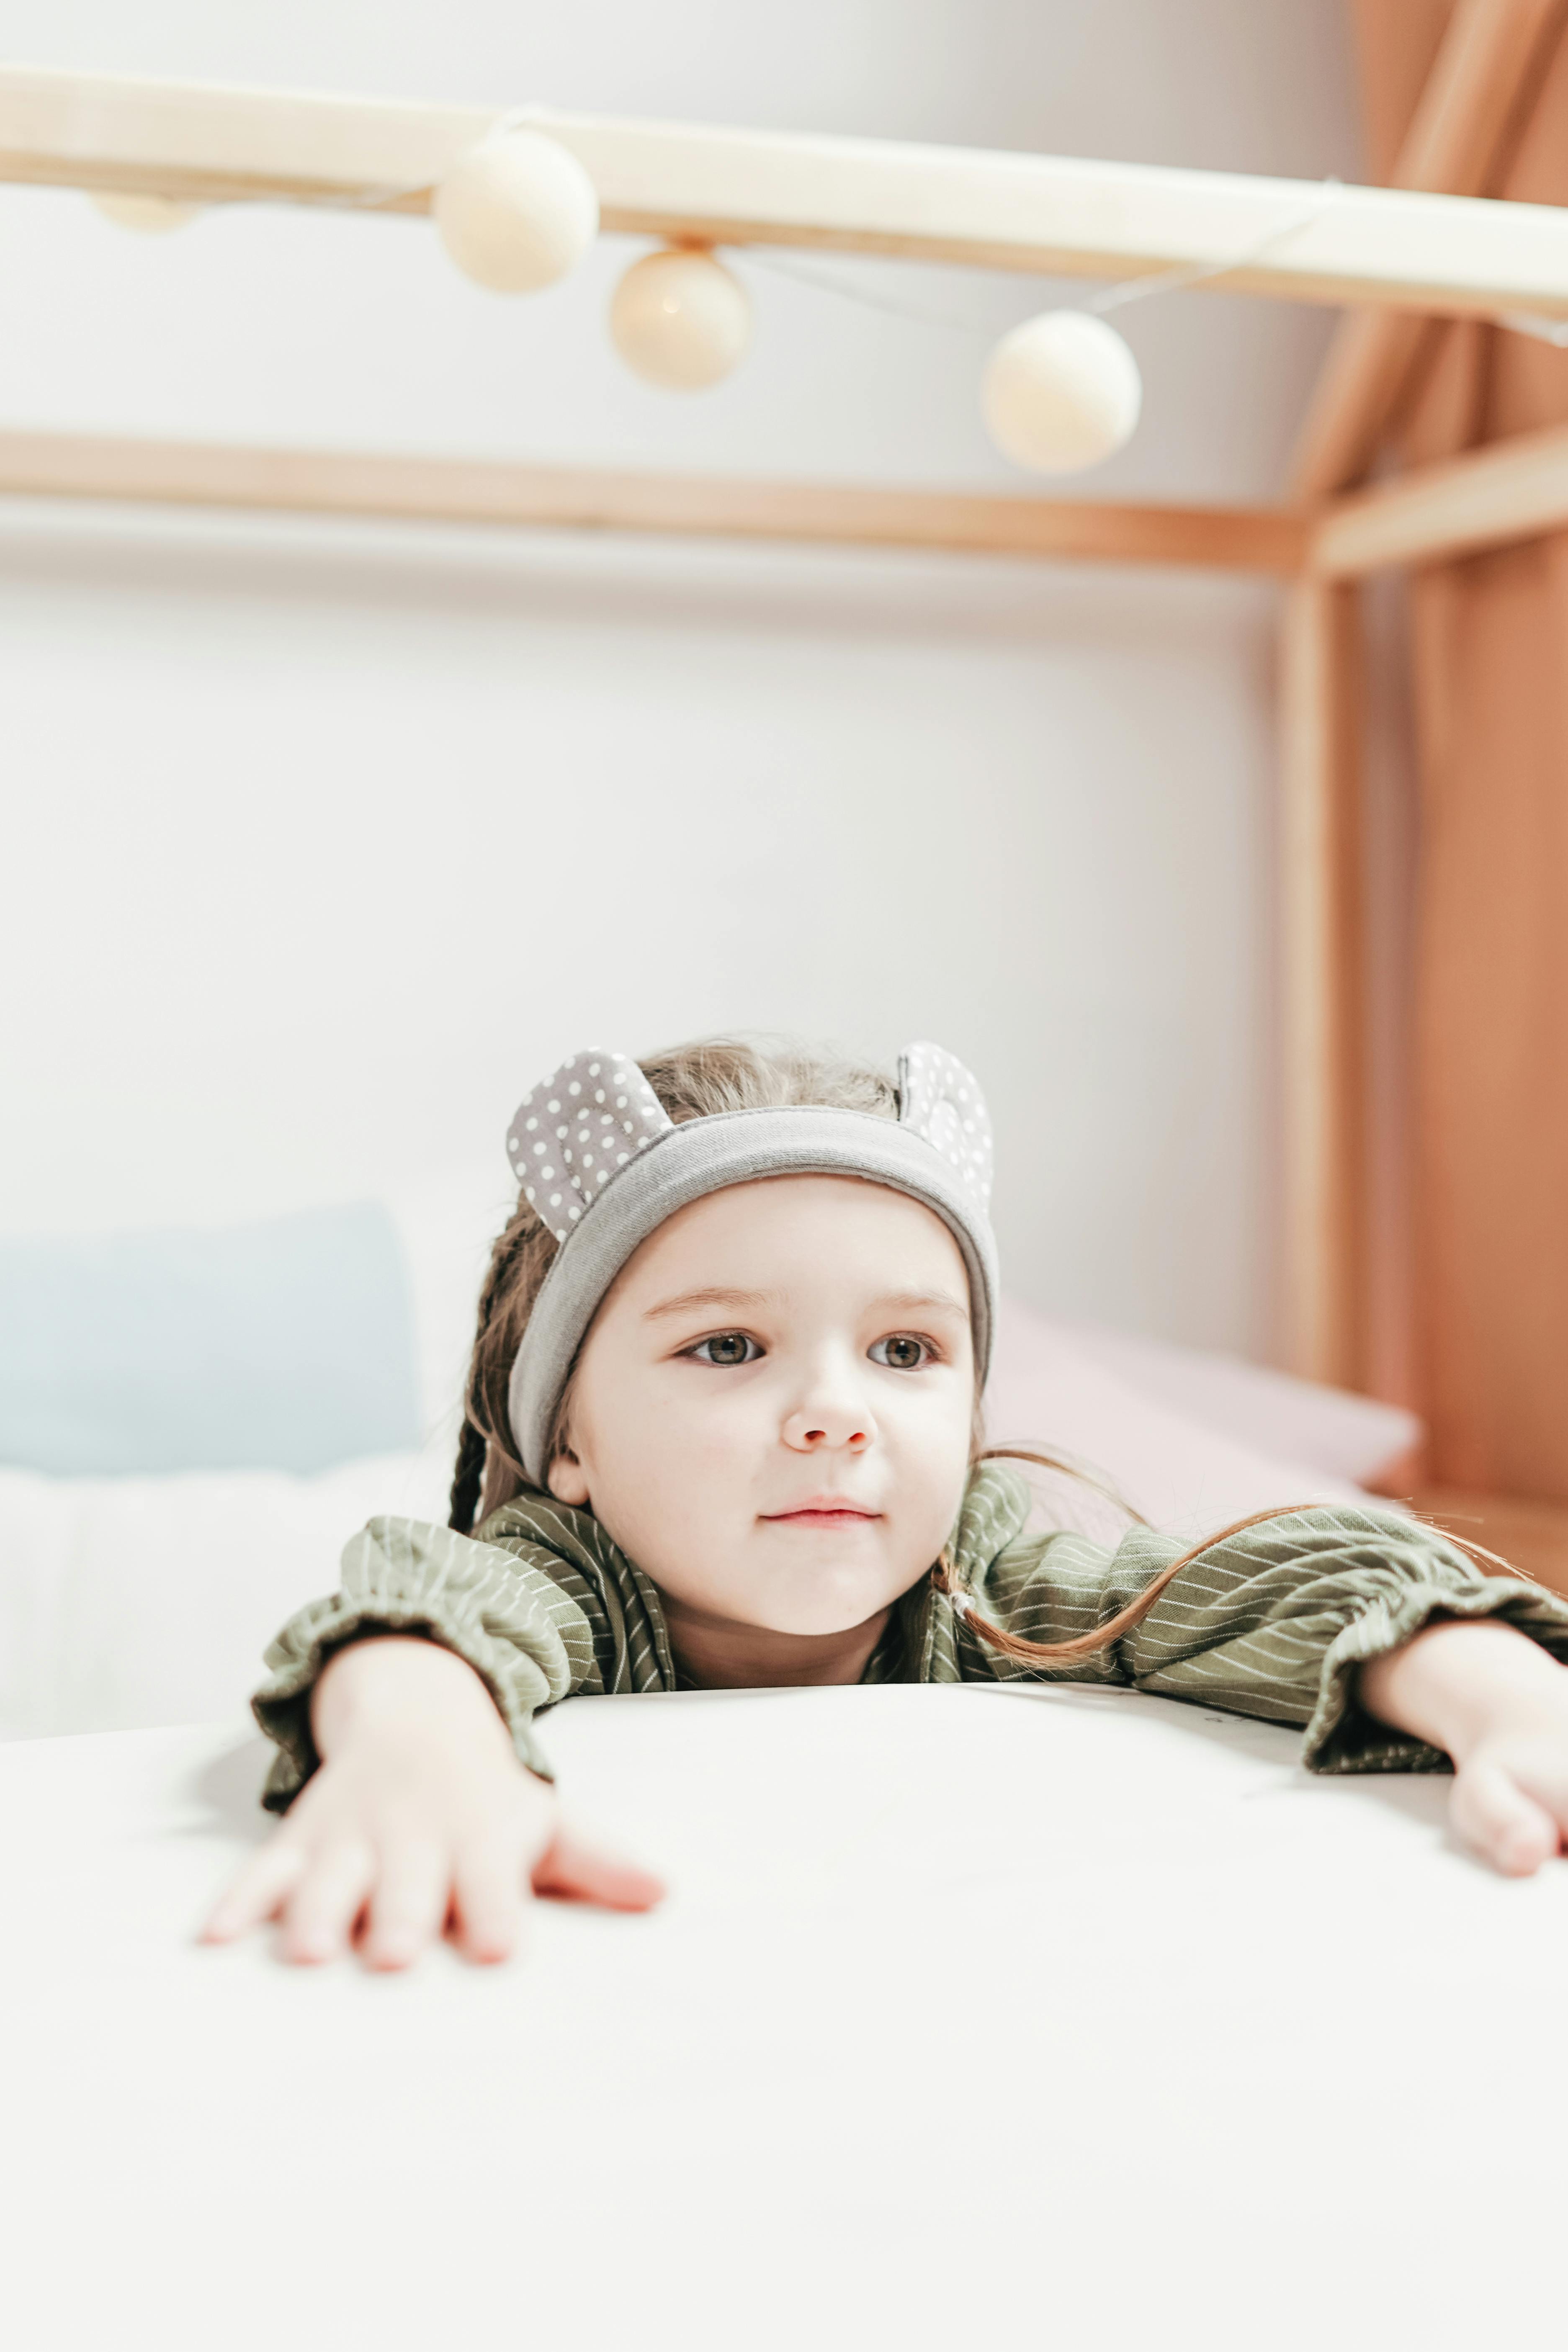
x,y
1499,1704
419,1817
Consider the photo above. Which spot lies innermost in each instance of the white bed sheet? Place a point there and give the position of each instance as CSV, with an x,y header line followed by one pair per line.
x,y
977,2016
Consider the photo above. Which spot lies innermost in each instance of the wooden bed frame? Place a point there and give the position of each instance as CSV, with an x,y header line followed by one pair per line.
x,y
1430,246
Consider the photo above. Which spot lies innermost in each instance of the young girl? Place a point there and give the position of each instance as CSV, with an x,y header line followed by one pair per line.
x,y
721,1431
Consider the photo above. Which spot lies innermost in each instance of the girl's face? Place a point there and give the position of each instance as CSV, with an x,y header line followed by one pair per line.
x,y
771,1410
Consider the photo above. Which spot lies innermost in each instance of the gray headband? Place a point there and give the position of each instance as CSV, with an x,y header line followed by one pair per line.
x,y
600,1159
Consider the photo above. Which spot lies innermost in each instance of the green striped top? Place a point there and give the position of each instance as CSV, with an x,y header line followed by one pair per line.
x,y
1271,1622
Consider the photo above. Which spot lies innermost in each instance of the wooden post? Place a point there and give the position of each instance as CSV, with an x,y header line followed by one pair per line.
x,y
1324,1207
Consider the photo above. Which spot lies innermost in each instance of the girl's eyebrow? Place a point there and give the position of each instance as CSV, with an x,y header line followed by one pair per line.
x,y
690,1298
916,1299
907,1300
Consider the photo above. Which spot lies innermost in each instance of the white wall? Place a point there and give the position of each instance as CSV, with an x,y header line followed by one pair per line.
x,y
319,845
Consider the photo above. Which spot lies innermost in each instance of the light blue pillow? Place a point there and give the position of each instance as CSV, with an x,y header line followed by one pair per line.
x,y
282,1346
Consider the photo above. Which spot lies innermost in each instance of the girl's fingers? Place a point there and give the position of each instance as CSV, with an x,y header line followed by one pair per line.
x,y
257,1890
409,1908
327,1901
576,1874
489,1902
1492,1813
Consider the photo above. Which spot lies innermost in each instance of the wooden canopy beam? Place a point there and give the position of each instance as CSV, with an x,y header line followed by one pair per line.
x,y
1041,215
460,490
1506,490
1488,64
1489,52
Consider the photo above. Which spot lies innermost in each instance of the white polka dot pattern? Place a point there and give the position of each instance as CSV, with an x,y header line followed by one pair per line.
x,y
940,1099
593,1114
577,1128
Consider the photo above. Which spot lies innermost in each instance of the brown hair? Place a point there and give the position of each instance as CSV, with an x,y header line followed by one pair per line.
x,y
1084,1645
698,1081
1081,1646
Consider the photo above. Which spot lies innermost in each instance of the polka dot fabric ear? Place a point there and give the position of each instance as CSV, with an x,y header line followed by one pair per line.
x,y
572,1132
940,1099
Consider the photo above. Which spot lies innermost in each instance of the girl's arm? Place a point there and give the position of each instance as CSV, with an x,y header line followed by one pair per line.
x,y
1497,1703
527,1642
1369,1628
418,1816
402,1706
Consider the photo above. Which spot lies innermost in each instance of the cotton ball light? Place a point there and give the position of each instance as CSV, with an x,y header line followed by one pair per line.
x,y
517,211
681,319
1061,392
150,215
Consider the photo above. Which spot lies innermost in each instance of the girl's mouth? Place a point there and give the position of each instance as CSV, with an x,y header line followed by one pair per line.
x,y
824,1511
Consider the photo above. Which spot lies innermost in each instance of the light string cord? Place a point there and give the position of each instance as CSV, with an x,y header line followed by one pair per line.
x,y
1198,273
1110,298
1533,324
516,117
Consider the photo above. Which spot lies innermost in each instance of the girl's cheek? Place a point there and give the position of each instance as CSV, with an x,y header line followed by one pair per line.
x,y
721,1429
945,1409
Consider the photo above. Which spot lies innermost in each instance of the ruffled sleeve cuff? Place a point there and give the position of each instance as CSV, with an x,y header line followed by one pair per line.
x,y
1341,1736
402,1576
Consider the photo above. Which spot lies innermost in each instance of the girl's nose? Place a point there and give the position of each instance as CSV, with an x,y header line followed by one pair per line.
x,y
826,1422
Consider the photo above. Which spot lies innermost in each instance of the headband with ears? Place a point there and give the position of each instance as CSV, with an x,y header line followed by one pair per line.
x,y
577,1127
603,1164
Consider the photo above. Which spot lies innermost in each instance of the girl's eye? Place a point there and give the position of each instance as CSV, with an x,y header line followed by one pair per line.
x,y
726,1348
902,1353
